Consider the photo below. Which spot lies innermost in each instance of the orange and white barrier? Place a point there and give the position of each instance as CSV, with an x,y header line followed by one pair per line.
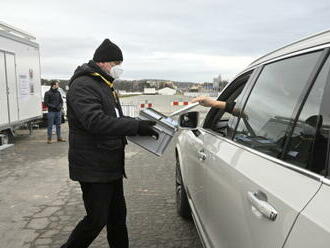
x,y
177,103
146,105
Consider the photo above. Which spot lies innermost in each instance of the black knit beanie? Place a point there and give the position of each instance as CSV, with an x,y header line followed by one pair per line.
x,y
107,52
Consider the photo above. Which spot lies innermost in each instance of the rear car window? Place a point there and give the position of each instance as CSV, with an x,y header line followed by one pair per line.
x,y
269,108
308,144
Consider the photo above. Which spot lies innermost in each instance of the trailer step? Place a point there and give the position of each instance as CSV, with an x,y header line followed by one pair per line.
x,y
4,139
3,147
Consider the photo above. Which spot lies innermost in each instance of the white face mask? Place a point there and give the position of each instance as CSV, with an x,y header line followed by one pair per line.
x,y
116,71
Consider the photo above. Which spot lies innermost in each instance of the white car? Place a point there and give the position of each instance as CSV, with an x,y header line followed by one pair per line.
x,y
259,178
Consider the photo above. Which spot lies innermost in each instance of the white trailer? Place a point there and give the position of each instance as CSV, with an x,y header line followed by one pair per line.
x,y
20,84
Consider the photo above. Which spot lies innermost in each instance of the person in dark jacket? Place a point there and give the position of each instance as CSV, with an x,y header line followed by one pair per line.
x,y
97,130
54,102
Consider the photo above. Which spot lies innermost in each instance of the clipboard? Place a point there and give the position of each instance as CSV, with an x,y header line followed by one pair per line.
x,y
166,127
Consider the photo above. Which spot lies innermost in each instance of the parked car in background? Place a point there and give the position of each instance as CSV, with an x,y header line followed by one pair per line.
x,y
44,89
63,94
260,178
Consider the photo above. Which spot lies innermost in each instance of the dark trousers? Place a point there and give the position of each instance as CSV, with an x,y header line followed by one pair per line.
x,y
105,206
54,118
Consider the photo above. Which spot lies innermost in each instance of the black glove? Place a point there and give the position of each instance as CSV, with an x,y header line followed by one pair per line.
x,y
145,129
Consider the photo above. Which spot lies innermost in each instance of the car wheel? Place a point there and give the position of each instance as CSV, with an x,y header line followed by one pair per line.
x,y
182,203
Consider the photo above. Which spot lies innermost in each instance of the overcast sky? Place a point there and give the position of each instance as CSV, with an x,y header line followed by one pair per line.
x,y
183,40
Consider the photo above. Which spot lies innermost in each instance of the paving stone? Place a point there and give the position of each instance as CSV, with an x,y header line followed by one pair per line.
x,y
43,241
38,223
47,212
57,207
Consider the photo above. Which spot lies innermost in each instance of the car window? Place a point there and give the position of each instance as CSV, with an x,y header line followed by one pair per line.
x,y
269,109
307,147
221,122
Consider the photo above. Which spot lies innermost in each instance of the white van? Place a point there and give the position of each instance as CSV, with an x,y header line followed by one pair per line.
x,y
20,86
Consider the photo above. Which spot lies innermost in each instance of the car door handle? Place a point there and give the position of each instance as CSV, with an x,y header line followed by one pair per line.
x,y
263,207
201,155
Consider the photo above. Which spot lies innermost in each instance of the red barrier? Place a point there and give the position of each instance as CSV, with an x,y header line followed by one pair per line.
x,y
146,105
177,103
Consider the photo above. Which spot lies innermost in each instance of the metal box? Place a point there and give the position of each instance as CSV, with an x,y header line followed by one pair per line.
x,y
165,126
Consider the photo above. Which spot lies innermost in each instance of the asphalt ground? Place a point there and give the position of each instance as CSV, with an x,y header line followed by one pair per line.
x,y
40,205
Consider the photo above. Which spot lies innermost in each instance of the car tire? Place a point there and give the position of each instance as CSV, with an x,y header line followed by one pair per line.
x,y
182,203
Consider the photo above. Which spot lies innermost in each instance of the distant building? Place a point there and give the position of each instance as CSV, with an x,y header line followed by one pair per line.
x,y
149,91
216,82
206,86
194,89
219,84
167,91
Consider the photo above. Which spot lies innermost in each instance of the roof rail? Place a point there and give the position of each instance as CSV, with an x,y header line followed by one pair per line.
x,y
15,31
288,45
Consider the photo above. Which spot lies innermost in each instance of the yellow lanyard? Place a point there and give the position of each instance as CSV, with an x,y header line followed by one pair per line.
x,y
104,79
110,84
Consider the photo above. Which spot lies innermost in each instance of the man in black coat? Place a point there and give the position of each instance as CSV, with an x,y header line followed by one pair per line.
x,y
97,130
54,102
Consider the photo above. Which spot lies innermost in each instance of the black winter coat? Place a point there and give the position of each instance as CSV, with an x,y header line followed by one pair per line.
x,y
53,100
96,135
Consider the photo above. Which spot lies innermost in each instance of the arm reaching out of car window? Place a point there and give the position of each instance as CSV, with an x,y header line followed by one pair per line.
x,y
209,102
226,106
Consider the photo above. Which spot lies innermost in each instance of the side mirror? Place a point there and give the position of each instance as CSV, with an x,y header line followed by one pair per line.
x,y
189,120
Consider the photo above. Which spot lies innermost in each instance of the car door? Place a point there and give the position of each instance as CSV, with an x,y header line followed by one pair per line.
x,y
4,108
12,87
218,124
312,228
252,194
193,171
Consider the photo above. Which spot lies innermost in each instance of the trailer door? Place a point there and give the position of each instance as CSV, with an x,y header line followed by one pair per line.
x,y
4,111
12,87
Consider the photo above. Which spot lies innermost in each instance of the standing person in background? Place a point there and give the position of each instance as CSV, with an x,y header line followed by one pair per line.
x,y
54,102
97,130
